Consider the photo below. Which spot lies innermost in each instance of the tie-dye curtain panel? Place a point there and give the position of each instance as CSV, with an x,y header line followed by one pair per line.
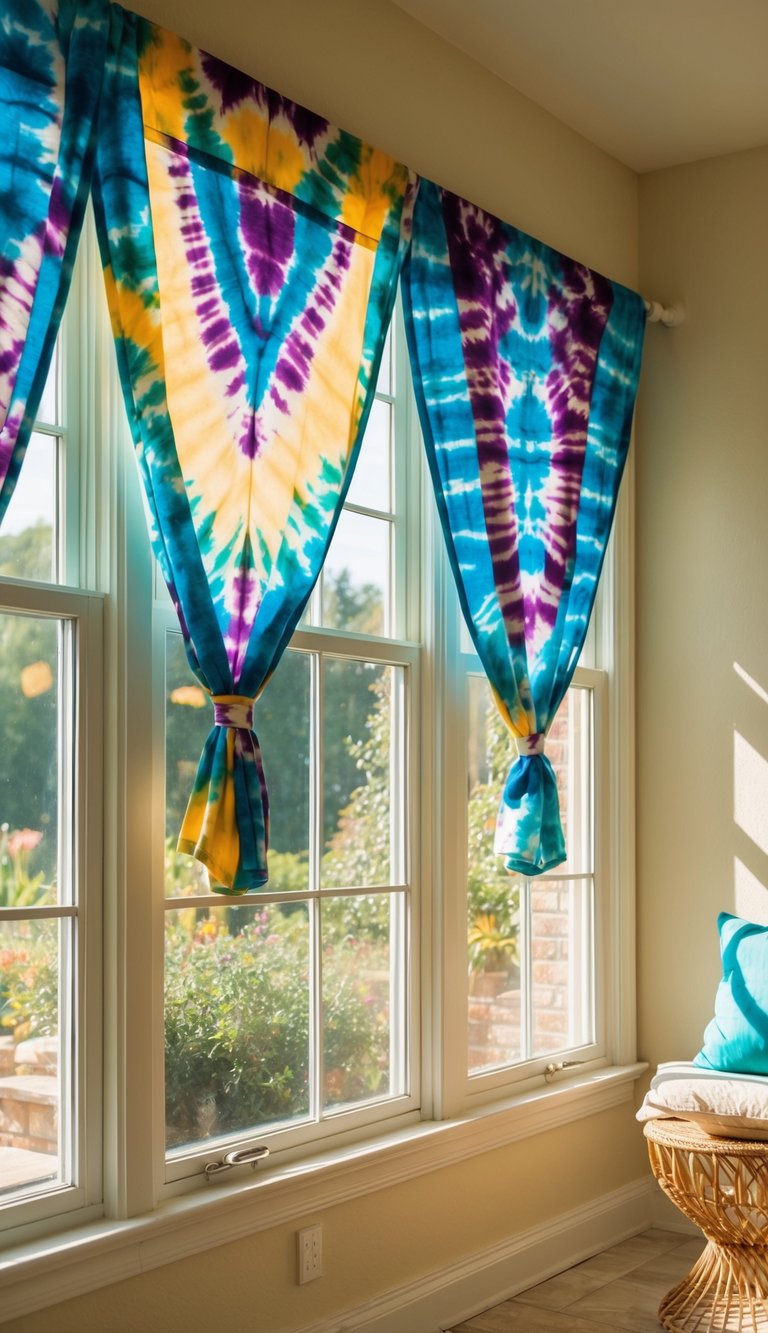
x,y
526,366
252,252
52,55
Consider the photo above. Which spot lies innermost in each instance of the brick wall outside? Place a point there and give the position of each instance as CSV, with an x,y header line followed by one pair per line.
x,y
550,914
494,1018
29,1095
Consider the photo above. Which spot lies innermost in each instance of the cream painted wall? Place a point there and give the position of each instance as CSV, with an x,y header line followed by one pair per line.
x,y
702,580
369,1245
380,74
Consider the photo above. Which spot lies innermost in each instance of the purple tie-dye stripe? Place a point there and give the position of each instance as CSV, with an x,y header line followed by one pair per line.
x,y
234,87
222,349
267,236
58,220
243,601
487,310
267,231
295,361
18,283
233,713
578,309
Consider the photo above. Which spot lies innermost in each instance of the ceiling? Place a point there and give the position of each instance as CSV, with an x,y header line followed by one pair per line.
x,y
653,82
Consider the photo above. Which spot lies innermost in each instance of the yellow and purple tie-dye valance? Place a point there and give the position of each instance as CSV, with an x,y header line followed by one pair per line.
x,y
252,252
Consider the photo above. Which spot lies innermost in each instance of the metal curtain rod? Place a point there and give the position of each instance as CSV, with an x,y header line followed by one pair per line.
x,y
669,316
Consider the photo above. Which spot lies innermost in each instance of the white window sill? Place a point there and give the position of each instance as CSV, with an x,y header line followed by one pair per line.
x,y
70,1263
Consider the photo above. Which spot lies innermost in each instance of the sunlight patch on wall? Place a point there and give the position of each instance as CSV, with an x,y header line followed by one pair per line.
x,y
751,682
750,791
750,897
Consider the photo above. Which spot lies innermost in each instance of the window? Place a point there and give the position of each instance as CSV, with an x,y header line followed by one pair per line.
x,y
316,972
532,983
50,830
390,971
535,999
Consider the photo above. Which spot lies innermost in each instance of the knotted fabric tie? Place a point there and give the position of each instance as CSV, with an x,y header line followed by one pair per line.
x,y
233,710
530,745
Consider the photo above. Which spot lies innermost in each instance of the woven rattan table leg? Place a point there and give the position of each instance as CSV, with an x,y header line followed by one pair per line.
x,y
726,1291
722,1186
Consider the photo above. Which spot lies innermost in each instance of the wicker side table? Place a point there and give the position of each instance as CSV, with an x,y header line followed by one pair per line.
x,y
722,1186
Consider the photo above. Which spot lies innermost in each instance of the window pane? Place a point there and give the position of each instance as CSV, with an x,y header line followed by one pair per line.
x,y
561,965
371,482
493,895
48,411
529,941
237,1019
494,970
28,532
364,987
188,719
569,749
282,725
385,382
282,722
356,575
29,1055
29,746
357,773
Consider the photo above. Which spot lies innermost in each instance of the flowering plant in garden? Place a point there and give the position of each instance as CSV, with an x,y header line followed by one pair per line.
x,y
17,887
237,1021
491,949
493,894
29,986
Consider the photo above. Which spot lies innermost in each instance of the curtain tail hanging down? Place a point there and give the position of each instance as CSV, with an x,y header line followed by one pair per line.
x,y
525,366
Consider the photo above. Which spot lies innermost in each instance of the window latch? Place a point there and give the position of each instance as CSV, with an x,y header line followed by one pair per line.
x,y
240,1157
552,1069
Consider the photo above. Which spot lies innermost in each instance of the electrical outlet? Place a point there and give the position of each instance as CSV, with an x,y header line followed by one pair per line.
x,y
310,1253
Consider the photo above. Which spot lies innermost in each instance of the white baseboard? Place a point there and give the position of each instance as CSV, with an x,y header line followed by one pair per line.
x,y
447,1296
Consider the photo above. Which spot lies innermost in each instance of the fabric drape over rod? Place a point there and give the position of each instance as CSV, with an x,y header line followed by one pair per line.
x,y
51,67
525,366
252,252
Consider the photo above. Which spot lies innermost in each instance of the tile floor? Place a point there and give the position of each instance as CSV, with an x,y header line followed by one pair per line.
x,y
615,1291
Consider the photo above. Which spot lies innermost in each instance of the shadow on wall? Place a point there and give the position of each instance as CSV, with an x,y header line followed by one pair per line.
x,y
750,813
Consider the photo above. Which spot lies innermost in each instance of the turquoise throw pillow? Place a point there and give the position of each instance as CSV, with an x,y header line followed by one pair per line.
x,y
736,1040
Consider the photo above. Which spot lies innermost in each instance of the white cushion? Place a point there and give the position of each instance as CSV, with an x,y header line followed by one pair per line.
x,y
734,1108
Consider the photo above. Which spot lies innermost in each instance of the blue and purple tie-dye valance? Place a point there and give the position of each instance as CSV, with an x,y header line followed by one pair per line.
x,y
525,365
52,56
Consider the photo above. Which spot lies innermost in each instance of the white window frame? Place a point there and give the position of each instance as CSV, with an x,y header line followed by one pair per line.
x,y
477,1087
80,826
457,1091
184,1169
